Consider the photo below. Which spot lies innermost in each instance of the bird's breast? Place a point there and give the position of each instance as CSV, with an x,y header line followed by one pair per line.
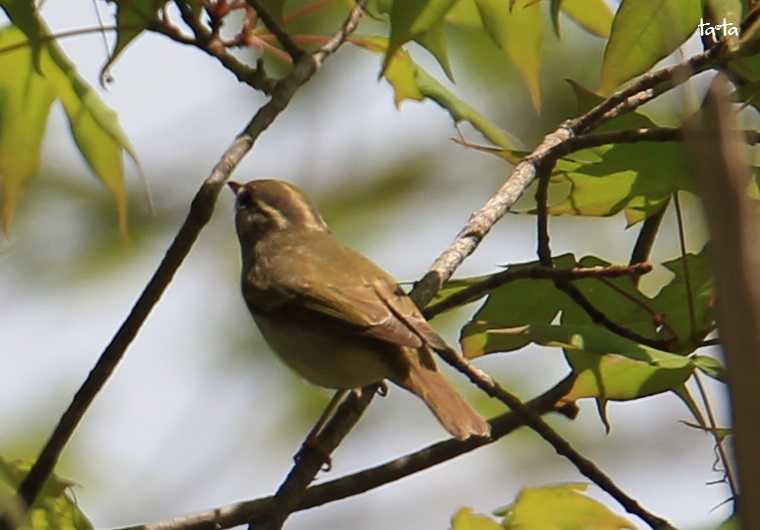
x,y
334,361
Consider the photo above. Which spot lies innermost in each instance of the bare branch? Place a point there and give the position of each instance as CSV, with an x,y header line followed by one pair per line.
x,y
529,417
362,481
479,289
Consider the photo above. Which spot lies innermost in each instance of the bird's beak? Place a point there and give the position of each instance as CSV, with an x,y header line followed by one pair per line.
x,y
234,186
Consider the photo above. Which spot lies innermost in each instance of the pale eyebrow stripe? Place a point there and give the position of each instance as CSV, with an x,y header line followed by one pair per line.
x,y
310,215
275,214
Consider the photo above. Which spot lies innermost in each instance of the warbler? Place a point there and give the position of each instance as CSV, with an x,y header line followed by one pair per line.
x,y
330,313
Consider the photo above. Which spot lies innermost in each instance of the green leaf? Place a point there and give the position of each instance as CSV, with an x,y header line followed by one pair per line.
x,y
454,287
585,99
410,81
511,308
606,365
561,507
23,15
519,34
434,42
595,16
412,20
672,300
637,178
720,432
54,508
609,368
132,18
712,367
25,101
466,519
465,14
642,34
619,299
93,125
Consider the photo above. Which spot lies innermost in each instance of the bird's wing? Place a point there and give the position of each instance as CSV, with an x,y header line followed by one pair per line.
x,y
367,299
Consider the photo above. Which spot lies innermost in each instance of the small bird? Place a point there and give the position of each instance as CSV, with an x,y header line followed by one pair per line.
x,y
330,313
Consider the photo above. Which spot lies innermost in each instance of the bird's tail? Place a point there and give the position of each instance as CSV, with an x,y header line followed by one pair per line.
x,y
448,405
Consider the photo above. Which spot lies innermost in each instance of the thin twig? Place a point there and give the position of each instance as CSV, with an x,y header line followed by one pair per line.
x,y
55,36
575,294
642,90
271,24
360,482
685,262
715,434
644,134
485,383
478,289
200,212
205,41
657,318
490,387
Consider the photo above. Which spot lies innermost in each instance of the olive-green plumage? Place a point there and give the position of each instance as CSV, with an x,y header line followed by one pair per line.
x,y
330,313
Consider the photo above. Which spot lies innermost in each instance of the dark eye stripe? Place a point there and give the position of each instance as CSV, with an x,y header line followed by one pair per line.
x,y
243,200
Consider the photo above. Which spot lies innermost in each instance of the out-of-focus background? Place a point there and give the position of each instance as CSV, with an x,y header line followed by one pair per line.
x,y
199,413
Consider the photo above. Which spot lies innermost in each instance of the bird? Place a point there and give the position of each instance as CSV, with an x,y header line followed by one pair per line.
x,y
330,313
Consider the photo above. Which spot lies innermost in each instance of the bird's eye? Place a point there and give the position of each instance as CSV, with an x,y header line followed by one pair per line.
x,y
244,201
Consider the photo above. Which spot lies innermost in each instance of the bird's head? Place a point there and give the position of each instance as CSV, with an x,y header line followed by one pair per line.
x,y
266,206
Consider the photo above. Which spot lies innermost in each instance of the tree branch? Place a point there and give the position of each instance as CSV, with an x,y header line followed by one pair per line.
x,y
489,386
200,212
204,41
529,417
271,24
479,289
362,481
523,174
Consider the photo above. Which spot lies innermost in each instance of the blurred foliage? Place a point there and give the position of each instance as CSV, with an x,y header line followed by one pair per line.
x,y
41,75
54,509
556,507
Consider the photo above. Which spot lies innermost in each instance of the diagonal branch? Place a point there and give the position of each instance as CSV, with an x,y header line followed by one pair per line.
x,y
530,418
200,212
311,459
366,480
524,173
